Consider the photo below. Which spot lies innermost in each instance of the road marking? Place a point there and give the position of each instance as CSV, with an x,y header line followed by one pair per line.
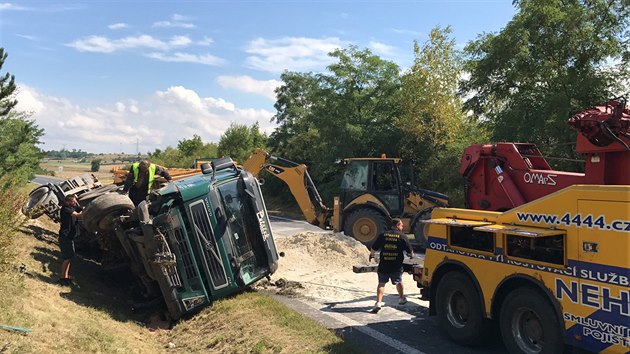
x,y
396,344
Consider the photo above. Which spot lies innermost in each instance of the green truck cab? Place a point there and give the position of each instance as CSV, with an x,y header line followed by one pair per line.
x,y
194,240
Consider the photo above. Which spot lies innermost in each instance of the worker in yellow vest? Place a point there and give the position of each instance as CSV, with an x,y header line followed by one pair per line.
x,y
140,179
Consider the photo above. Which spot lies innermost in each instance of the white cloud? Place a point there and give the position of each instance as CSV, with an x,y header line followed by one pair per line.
x,y
248,84
407,32
157,121
179,21
205,41
7,6
26,36
382,48
115,26
180,41
291,53
102,44
207,59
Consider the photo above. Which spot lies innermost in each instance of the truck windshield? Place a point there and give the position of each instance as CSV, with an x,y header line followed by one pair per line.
x,y
243,230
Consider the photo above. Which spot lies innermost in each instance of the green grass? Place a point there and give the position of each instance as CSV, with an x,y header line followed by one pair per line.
x,y
96,319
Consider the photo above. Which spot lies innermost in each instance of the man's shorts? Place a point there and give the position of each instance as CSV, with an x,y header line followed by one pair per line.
x,y
67,248
395,277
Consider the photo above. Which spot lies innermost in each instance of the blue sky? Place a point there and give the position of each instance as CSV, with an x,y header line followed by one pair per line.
x,y
116,76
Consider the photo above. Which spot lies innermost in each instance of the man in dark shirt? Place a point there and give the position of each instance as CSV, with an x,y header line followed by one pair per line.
x,y
392,244
68,214
140,179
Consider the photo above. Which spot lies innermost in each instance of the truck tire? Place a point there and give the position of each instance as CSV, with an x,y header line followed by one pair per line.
x,y
459,311
87,197
419,230
37,200
364,225
99,215
529,323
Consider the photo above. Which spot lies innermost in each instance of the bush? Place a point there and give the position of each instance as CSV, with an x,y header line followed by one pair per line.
x,y
96,165
10,221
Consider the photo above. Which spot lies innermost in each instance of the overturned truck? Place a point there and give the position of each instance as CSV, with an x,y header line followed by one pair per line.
x,y
193,241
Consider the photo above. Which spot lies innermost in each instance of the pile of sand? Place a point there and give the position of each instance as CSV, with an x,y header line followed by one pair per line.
x,y
321,264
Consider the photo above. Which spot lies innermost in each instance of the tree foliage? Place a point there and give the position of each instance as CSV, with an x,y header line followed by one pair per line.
x,y
7,88
239,141
184,155
552,60
346,112
19,136
434,125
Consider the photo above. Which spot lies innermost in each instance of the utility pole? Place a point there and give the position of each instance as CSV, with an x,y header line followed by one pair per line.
x,y
137,146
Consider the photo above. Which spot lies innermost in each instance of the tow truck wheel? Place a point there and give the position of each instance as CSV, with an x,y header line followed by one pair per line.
x,y
459,310
528,323
364,225
100,214
36,202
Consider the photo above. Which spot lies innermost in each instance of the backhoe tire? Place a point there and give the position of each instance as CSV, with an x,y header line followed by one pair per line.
x,y
529,323
37,200
459,311
365,225
419,230
87,197
100,214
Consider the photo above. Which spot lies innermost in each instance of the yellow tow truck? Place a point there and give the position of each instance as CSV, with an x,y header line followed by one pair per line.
x,y
552,272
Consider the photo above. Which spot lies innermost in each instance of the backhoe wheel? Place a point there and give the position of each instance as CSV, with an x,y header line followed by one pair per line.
x,y
100,214
419,230
528,323
459,310
35,205
87,197
365,225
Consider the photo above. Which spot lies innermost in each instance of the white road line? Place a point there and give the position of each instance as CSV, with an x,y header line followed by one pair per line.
x,y
398,345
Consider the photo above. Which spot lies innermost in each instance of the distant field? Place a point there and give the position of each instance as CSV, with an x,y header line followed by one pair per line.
x,y
69,168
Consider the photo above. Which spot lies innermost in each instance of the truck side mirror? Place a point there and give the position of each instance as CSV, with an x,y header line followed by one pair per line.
x,y
206,168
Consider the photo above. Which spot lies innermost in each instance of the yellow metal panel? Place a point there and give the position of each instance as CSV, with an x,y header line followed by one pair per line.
x,y
456,222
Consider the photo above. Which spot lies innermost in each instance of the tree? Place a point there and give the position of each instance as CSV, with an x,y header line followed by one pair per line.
x,y
95,165
239,141
7,88
189,147
435,129
550,62
19,136
348,111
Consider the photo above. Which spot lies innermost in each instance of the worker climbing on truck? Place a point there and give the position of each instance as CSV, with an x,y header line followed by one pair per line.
x,y
142,174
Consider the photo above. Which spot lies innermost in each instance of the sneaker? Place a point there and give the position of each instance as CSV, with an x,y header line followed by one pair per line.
x,y
402,301
377,307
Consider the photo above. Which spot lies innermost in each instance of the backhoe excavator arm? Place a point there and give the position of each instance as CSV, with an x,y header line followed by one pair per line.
x,y
299,182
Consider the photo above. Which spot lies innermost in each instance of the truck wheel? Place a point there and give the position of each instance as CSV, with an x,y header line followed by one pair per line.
x,y
87,197
419,230
459,310
36,202
99,215
364,225
528,323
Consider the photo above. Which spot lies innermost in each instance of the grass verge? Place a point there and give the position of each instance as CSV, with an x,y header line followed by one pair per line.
x,y
96,316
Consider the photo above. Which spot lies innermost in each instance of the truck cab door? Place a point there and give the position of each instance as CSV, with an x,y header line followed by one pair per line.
x,y
385,184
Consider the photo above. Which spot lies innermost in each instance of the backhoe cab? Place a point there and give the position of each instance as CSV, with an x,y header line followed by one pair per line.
x,y
372,193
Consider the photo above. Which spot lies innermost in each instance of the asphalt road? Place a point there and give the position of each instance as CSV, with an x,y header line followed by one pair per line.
x,y
395,329
41,180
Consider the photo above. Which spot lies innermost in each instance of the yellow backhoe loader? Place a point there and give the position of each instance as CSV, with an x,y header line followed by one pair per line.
x,y
372,193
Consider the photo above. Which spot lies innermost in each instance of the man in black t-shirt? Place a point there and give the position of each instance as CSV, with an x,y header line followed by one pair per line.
x,y
68,215
392,244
